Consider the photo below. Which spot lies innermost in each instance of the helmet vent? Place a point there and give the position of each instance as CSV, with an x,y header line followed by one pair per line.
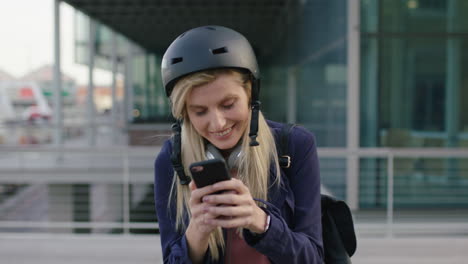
x,y
176,60
211,28
219,51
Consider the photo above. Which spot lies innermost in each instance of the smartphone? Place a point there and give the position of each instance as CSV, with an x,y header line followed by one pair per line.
x,y
209,172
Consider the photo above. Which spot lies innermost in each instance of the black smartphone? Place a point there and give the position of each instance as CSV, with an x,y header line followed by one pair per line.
x,y
209,172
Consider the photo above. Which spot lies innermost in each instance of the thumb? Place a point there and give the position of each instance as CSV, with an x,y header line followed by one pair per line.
x,y
192,186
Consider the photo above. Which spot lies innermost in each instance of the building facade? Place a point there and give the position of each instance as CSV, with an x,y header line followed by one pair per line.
x,y
363,75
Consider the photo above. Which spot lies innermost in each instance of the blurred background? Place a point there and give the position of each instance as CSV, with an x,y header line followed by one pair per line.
x,y
381,83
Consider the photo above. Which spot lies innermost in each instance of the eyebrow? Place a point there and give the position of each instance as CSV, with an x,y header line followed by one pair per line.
x,y
227,98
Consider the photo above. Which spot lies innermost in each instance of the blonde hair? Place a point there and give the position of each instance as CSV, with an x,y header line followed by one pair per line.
x,y
254,163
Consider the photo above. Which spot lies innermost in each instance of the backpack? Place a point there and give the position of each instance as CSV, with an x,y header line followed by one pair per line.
x,y
339,238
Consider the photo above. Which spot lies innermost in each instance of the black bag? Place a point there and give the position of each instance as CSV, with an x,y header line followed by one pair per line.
x,y
339,238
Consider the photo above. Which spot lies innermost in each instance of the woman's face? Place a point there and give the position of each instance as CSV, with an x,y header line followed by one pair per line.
x,y
219,110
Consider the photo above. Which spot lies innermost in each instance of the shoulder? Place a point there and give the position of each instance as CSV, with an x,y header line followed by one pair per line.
x,y
163,174
165,152
162,164
298,135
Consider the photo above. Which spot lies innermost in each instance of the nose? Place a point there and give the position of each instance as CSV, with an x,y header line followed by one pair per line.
x,y
217,121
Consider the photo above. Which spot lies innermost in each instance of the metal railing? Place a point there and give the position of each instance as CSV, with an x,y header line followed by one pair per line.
x,y
118,180
431,217
55,175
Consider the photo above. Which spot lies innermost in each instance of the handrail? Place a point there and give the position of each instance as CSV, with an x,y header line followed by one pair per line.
x,y
125,177
323,152
112,150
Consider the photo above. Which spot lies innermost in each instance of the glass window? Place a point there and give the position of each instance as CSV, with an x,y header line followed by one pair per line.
x,y
413,54
313,61
413,86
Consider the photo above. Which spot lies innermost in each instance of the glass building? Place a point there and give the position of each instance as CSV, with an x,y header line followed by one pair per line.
x,y
413,84
364,75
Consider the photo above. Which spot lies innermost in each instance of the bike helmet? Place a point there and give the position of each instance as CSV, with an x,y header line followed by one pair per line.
x,y
204,48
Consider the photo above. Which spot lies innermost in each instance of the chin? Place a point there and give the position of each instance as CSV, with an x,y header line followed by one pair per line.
x,y
225,144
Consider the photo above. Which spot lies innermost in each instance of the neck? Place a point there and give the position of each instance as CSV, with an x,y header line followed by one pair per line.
x,y
227,152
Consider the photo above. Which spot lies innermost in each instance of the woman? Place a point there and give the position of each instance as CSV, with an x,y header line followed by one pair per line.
x,y
264,214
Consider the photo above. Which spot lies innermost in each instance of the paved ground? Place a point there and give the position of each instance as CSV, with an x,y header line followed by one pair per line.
x,y
412,250
55,249
115,249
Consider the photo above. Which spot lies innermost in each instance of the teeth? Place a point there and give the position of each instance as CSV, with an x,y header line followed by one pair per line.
x,y
225,132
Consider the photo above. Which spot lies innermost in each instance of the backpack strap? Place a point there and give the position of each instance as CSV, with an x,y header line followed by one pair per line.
x,y
282,147
338,233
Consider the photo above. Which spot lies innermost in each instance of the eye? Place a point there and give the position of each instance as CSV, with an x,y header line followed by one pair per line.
x,y
197,110
200,112
228,106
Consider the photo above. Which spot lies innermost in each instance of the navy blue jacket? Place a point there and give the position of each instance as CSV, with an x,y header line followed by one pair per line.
x,y
295,233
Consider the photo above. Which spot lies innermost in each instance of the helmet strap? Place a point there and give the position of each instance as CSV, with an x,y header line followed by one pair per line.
x,y
255,112
176,155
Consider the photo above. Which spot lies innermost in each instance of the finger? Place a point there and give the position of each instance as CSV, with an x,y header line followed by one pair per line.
x,y
231,211
195,198
207,217
204,218
229,222
227,199
192,186
198,193
209,190
197,209
232,185
203,208
203,223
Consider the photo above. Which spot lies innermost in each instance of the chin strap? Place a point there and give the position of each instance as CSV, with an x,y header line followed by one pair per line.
x,y
253,133
176,156
254,124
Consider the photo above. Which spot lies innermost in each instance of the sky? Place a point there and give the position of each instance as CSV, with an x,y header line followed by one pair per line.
x,y
26,39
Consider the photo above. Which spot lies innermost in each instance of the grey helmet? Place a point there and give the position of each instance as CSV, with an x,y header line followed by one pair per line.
x,y
204,48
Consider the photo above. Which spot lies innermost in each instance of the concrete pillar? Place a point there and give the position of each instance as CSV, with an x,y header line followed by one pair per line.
x,y
114,114
369,105
58,102
453,79
452,89
90,107
353,92
128,94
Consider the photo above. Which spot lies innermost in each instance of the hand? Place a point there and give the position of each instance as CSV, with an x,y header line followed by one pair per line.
x,y
198,209
198,231
238,210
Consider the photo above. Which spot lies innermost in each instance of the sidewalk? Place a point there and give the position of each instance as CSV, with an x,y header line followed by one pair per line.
x,y
116,249
412,250
79,249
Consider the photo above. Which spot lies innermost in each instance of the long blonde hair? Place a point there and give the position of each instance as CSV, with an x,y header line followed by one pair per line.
x,y
254,164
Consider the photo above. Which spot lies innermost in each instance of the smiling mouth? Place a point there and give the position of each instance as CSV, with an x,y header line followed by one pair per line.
x,y
223,133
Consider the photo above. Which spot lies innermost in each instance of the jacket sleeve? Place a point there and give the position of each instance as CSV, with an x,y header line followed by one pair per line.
x,y
300,239
174,244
